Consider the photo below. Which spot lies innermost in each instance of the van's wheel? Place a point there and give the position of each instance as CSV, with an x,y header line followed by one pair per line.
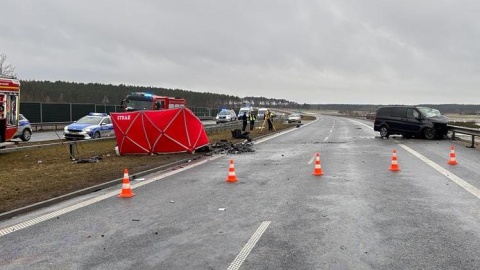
x,y
96,135
384,132
26,135
429,133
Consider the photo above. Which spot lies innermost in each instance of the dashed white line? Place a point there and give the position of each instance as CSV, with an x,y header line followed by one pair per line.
x,y
281,133
249,246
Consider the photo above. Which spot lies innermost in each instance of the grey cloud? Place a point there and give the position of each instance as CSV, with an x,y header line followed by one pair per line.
x,y
341,51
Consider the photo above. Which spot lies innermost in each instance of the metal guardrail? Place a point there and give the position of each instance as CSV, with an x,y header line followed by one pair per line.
x,y
71,145
210,129
60,125
49,126
464,130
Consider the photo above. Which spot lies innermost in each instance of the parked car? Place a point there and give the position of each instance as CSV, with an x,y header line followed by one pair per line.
x,y
91,126
226,115
24,131
410,121
295,118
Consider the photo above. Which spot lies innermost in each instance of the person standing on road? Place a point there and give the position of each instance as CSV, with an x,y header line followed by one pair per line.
x,y
268,117
244,121
252,120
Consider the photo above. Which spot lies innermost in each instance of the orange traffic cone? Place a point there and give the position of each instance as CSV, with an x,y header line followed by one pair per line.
x,y
126,190
317,171
394,165
232,178
453,160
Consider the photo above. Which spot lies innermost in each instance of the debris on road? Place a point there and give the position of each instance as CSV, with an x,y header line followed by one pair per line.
x,y
94,159
226,147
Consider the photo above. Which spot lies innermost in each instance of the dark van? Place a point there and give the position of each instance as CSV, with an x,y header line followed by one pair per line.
x,y
410,121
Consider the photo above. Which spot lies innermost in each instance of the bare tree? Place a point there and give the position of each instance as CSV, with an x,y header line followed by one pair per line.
x,y
6,69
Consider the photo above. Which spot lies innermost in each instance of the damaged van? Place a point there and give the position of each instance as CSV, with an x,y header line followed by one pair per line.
x,y
410,121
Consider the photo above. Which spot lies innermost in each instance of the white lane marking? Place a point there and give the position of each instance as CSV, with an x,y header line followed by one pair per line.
x,y
362,124
326,139
74,207
249,246
282,133
459,181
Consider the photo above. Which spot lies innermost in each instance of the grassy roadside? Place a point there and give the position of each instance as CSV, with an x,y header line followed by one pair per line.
x,y
37,175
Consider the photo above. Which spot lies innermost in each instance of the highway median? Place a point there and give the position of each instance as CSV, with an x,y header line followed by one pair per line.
x,y
49,174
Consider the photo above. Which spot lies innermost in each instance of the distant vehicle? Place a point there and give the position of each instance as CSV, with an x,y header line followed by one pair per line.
x,y
261,113
24,131
295,118
138,101
226,115
410,121
242,110
91,126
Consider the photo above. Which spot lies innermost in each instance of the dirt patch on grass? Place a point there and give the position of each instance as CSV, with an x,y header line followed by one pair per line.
x,y
32,176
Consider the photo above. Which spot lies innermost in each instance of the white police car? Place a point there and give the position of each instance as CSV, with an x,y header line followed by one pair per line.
x,y
91,126
24,131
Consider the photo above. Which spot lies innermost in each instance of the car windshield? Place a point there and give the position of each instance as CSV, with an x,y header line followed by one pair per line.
x,y
294,115
134,105
92,120
429,112
224,113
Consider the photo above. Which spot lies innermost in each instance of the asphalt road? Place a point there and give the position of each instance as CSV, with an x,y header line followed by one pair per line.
x,y
358,215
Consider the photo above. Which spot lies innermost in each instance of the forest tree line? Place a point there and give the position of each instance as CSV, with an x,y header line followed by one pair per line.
x,y
71,92
96,93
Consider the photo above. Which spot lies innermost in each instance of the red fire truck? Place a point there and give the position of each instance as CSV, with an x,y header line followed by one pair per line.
x,y
138,101
9,111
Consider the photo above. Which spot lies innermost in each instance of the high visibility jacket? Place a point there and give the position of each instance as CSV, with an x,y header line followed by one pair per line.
x,y
252,117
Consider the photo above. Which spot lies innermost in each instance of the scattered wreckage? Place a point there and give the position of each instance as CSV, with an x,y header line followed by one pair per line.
x,y
226,147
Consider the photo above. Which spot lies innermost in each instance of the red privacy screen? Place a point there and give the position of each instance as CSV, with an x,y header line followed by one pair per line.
x,y
164,131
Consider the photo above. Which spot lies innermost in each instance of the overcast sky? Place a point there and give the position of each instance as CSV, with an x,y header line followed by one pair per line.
x,y
338,51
